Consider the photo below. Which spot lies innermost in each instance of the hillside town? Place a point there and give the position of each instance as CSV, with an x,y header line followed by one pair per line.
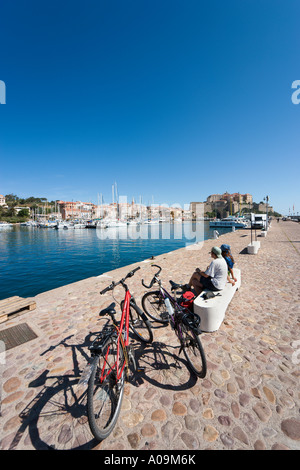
x,y
215,206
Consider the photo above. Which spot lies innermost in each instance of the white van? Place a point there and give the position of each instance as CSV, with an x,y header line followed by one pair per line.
x,y
259,221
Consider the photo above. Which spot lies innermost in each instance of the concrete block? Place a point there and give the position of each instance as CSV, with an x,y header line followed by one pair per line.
x,y
212,311
253,247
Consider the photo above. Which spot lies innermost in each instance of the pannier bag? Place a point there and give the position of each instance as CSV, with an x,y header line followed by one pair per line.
x,y
192,320
187,300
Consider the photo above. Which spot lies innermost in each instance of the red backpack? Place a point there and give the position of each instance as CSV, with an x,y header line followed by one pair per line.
x,y
187,300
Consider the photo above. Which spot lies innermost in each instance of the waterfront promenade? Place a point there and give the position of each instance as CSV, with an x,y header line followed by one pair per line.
x,y
250,398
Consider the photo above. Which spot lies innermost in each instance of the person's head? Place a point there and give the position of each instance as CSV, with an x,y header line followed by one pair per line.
x,y
226,253
216,252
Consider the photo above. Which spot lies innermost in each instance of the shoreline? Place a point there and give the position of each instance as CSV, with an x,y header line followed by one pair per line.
x,y
248,400
107,274
197,247
158,241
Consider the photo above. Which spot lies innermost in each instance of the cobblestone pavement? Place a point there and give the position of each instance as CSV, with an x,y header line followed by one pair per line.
x,y
249,399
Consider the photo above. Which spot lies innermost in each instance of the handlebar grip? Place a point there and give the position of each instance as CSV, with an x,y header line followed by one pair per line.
x,y
147,287
136,269
104,290
156,266
153,280
131,273
107,289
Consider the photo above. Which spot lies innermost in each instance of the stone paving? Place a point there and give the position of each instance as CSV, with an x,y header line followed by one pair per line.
x,y
250,398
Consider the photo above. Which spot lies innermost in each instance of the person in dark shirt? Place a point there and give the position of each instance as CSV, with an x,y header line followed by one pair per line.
x,y
226,253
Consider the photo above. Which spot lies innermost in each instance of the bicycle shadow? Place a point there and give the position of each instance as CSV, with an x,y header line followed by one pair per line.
x,y
161,365
56,418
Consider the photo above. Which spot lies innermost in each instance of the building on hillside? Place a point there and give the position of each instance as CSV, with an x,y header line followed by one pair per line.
x,y
2,200
76,210
223,205
262,207
213,198
21,208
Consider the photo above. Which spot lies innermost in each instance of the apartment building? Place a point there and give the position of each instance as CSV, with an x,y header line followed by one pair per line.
x,y
2,200
76,210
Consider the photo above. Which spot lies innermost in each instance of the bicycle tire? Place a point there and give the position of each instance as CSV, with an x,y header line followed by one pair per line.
x,y
193,351
104,398
154,306
139,323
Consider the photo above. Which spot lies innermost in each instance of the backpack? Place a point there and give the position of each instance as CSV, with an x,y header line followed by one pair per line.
x,y
209,295
187,300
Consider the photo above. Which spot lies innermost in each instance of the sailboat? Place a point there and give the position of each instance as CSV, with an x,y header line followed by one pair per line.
x,y
5,225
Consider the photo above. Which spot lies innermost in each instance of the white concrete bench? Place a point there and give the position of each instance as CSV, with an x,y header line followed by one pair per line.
x,y
212,311
253,247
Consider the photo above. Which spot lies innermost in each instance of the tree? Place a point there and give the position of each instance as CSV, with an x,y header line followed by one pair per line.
x,y
10,212
11,199
23,213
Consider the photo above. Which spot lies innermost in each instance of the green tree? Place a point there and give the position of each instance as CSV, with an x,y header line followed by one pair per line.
x,y
11,199
23,213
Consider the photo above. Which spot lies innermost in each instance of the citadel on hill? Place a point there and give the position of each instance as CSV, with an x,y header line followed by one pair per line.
x,y
223,205
216,205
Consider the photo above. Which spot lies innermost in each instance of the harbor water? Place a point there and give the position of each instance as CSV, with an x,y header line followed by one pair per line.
x,y
34,260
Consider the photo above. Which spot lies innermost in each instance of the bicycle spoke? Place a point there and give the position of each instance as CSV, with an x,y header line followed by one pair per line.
x,y
193,351
105,392
140,325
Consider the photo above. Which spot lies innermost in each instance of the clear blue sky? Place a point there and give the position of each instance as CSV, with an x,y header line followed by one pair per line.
x,y
171,99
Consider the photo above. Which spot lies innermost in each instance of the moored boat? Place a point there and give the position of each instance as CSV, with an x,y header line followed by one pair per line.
x,y
5,225
236,222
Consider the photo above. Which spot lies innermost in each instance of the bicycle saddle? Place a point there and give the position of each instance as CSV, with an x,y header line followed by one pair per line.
x,y
110,310
175,286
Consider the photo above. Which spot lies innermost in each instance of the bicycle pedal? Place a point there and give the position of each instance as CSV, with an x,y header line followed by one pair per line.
x,y
165,316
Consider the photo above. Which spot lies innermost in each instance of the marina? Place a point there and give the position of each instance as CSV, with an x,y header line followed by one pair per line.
x,y
149,228
34,260
247,401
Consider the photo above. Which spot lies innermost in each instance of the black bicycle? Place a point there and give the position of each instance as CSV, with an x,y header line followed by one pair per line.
x,y
162,307
111,359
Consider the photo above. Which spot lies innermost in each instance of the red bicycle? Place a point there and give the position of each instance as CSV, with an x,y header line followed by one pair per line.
x,y
111,359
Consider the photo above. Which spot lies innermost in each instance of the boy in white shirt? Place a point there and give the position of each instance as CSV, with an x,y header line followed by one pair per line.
x,y
215,276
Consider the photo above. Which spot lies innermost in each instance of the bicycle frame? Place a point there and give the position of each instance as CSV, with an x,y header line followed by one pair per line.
x,y
113,356
122,333
183,321
165,294
123,341
175,305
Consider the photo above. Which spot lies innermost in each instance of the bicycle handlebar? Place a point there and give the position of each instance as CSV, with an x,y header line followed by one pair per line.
x,y
154,277
114,284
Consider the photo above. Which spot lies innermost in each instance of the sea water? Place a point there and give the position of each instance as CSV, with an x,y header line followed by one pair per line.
x,y
34,260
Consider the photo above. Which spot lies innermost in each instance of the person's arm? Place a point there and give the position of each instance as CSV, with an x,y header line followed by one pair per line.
x,y
232,275
202,273
210,271
229,280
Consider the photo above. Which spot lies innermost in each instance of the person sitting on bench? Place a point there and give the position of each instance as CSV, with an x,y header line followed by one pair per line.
x,y
226,253
215,276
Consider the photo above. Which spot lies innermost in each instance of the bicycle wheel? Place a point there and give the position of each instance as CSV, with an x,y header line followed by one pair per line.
x,y
193,351
105,391
154,306
139,323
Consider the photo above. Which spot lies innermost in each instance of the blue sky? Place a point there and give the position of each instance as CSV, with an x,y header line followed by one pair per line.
x,y
173,100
